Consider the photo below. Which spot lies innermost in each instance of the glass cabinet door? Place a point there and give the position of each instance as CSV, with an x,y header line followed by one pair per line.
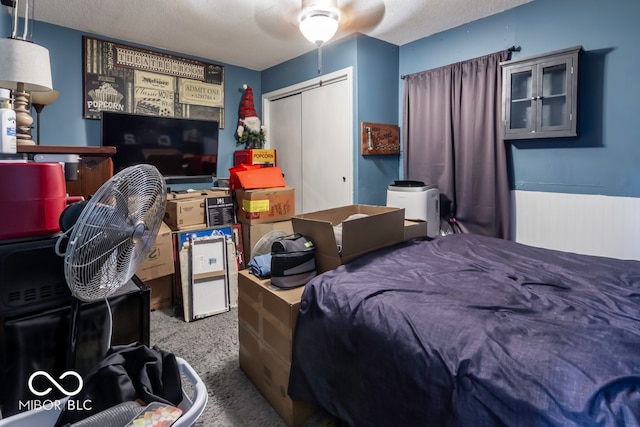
x,y
553,96
521,105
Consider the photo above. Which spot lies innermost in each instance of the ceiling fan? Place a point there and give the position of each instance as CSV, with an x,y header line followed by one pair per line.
x,y
351,15
320,20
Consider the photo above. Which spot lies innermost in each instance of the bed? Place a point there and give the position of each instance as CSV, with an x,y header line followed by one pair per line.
x,y
467,330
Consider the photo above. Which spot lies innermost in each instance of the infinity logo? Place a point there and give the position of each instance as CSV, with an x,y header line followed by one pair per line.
x,y
55,383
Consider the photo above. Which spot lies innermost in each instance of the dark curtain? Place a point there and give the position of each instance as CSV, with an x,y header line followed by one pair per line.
x,y
452,134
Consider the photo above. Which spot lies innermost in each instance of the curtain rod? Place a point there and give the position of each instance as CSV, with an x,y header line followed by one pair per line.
x,y
511,49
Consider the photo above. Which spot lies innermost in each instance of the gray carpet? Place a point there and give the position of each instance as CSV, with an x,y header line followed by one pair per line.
x,y
210,346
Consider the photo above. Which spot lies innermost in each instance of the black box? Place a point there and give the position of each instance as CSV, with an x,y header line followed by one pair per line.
x,y
220,211
35,319
39,341
31,277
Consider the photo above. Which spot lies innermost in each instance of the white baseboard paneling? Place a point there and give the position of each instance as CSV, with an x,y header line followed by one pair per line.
x,y
588,224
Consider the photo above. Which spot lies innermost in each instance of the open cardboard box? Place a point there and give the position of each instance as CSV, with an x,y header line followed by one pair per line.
x,y
381,227
415,228
252,233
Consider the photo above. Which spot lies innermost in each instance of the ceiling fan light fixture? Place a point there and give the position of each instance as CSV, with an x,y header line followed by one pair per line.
x,y
319,26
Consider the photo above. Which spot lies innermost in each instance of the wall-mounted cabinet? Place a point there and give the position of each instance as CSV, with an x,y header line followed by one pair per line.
x,y
539,95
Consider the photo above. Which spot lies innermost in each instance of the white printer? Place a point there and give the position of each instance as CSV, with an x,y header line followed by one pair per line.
x,y
420,202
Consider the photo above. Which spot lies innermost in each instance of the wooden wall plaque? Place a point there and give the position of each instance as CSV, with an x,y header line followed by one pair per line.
x,y
378,138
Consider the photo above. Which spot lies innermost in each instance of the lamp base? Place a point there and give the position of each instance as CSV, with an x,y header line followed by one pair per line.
x,y
23,117
23,142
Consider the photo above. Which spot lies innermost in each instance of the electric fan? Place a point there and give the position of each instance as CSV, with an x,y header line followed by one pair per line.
x,y
111,238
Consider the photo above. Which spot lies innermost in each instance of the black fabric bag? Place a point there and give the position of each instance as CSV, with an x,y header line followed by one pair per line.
x,y
128,373
293,261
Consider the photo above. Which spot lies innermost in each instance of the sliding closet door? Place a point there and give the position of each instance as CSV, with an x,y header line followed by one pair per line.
x,y
326,147
285,135
310,125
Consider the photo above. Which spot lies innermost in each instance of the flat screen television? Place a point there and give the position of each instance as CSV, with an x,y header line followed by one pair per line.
x,y
177,147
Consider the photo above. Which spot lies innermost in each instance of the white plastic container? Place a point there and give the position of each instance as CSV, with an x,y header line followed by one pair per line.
x,y
8,123
192,407
420,202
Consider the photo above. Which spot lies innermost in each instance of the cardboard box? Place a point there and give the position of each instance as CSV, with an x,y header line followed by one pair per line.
x,y
266,322
265,205
189,194
188,209
381,227
252,156
414,229
269,312
161,292
252,233
159,261
185,213
270,375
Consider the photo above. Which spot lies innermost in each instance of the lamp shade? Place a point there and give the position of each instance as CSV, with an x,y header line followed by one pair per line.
x,y
24,62
44,98
319,26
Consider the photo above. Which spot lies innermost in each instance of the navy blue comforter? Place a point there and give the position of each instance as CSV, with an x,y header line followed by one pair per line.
x,y
467,330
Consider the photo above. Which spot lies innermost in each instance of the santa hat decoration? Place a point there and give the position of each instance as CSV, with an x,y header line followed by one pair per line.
x,y
250,131
247,108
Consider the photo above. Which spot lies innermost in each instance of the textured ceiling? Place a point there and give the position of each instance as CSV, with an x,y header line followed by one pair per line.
x,y
255,34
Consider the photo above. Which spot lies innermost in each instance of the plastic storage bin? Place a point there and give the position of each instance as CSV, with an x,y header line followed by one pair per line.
x,y
192,407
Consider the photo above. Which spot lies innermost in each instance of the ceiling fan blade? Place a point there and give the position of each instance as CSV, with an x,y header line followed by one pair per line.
x,y
360,15
279,20
319,4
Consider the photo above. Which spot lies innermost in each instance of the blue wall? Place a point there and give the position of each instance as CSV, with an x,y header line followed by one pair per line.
x,y
605,157
377,75
335,56
63,122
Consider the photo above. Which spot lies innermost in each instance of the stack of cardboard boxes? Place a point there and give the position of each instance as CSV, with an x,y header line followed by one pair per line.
x,y
263,210
185,213
202,214
264,202
267,315
267,319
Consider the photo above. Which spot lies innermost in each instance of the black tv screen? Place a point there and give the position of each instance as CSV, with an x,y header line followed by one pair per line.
x,y
177,147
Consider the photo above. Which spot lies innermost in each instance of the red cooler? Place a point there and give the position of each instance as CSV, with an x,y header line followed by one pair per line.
x,y
32,197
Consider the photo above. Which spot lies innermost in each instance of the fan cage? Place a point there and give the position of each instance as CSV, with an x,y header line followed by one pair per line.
x,y
115,232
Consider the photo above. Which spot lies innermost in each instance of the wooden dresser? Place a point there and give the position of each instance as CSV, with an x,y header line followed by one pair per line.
x,y
95,166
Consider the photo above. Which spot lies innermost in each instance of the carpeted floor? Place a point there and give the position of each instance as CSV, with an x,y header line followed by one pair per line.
x,y
210,346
